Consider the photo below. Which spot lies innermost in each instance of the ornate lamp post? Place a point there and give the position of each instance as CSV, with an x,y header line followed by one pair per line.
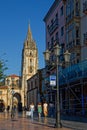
x,y
67,59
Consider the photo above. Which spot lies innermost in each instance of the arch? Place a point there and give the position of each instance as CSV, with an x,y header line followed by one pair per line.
x,y
17,101
17,96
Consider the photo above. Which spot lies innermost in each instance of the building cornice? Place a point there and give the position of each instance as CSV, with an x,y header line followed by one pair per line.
x,y
54,5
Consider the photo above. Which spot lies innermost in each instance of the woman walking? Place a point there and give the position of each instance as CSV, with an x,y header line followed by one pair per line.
x,y
45,109
39,110
32,109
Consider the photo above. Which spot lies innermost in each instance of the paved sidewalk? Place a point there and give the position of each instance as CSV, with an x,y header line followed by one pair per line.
x,y
22,123
78,124
65,123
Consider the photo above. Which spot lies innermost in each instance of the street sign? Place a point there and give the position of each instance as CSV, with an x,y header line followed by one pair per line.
x,y
52,80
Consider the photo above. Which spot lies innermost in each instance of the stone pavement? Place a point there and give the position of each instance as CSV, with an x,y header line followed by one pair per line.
x,y
72,122
75,125
22,123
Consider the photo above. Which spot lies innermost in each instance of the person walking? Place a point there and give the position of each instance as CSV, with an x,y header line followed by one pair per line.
x,y
8,108
39,109
12,113
45,109
32,109
51,109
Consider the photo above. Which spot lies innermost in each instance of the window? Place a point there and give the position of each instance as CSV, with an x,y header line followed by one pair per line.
x,y
56,36
0,92
31,63
62,31
36,82
77,9
31,84
31,69
61,11
48,44
78,60
56,19
52,41
31,53
52,22
48,26
77,32
56,15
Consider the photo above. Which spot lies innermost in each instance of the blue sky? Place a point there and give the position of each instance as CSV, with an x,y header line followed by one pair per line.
x,y
15,15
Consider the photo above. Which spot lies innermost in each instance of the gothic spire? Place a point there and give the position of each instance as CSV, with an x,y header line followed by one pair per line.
x,y
29,34
29,42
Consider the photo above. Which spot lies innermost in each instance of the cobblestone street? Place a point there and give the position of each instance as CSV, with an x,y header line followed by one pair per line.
x,y
22,123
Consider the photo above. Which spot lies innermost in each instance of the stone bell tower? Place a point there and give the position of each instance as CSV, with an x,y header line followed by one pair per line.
x,y
29,62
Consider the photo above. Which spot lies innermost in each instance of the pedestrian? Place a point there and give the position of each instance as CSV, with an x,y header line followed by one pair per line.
x,y
51,109
12,112
32,109
8,108
45,109
39,109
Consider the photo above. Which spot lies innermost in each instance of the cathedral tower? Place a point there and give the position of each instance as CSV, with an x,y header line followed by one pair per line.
x,y
29,62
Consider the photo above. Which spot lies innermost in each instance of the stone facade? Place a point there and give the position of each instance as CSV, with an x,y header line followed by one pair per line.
x,y
35,88
11,88
29,63
18,85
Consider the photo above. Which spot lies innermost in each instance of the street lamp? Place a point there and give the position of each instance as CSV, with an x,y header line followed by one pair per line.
x,y
67,59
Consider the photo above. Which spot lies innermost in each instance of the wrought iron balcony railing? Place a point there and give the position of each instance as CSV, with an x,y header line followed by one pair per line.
x,y
53,26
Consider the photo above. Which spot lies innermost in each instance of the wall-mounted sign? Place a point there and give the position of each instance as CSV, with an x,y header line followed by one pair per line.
x,y
52,80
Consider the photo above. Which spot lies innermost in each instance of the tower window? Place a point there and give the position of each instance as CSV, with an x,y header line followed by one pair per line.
x,y
30,61
31,53
31,69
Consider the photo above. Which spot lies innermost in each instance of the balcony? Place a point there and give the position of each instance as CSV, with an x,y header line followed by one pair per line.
x,y
53,26
85,38
69,17
75,43
85,7
78,42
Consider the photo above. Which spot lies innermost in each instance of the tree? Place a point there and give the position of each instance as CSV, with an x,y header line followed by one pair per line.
x,y
2,70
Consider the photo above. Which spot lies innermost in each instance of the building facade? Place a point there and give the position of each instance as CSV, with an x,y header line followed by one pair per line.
x,y
34,89
65,23
83,29
55,25
10,89
55,34
73,40
29,63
